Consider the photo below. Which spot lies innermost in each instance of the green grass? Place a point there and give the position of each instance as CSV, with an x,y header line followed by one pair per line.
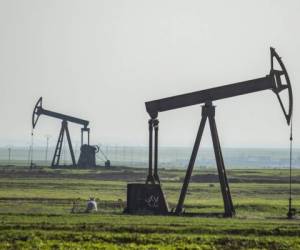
x,y
35,210
121,231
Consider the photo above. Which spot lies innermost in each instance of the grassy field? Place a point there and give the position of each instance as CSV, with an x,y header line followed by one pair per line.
x,y
35,211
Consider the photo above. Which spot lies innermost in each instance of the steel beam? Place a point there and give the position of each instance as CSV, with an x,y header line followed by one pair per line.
x,y
41,111
155,175
209,95
190,168
150,177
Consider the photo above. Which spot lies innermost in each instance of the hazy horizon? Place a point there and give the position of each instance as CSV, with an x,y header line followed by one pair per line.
x,y
101,60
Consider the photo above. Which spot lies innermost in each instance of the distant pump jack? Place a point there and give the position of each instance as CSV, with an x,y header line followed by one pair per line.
x,y
87,152
138,195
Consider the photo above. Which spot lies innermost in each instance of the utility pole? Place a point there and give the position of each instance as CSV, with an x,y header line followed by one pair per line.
x,y
9,155
47,147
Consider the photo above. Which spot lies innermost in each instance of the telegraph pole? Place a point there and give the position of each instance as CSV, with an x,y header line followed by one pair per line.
x,y
47,147
9,155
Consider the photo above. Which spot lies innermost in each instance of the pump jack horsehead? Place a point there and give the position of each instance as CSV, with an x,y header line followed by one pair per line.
x,y
137,194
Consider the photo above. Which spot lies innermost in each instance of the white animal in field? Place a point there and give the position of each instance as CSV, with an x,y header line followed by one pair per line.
x,y
91,205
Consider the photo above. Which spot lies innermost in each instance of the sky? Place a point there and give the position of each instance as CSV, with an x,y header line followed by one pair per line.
x,y
102,60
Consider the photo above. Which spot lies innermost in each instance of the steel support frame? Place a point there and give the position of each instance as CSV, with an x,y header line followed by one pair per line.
x,y
57,153
208,112
153,176
88,135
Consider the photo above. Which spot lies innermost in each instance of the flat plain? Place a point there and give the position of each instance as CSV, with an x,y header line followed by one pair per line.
x,y
36,210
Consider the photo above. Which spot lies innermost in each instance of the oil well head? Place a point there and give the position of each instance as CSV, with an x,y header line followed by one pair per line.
x,y
87,156
277,80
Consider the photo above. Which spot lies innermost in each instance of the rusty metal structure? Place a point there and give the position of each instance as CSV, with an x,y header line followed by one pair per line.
x,y
277,80
87,152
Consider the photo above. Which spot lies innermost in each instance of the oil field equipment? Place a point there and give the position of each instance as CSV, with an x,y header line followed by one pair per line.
x,y
104,157
149,197
88,152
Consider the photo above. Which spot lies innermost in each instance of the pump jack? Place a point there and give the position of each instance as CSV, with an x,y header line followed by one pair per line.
x,y
138,195
87,154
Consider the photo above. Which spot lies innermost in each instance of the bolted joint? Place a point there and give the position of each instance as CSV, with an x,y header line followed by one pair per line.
x,y
155,123
208,110
150,122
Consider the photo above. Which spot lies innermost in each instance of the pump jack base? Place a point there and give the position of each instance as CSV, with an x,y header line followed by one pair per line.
x,y
150,199
146,199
